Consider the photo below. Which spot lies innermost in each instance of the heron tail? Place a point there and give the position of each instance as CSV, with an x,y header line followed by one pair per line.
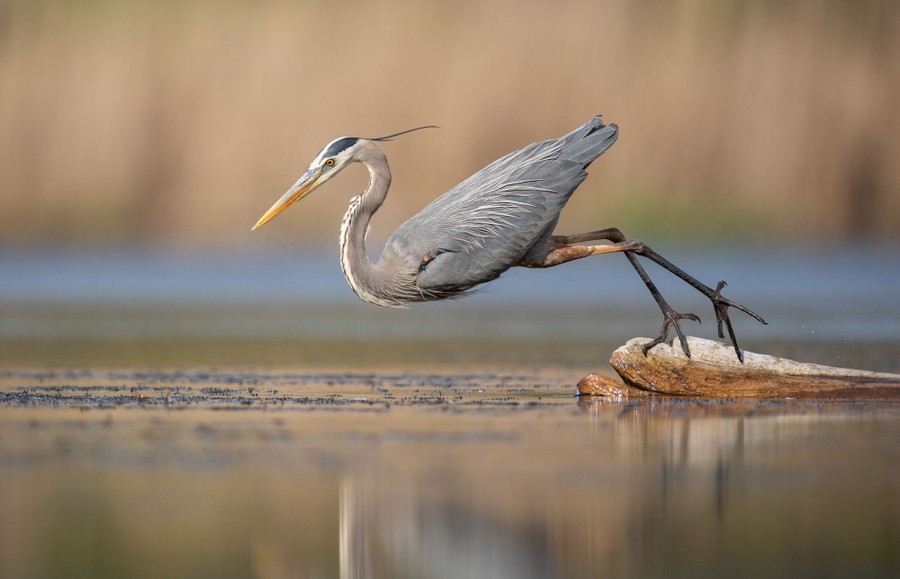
x,y
589,141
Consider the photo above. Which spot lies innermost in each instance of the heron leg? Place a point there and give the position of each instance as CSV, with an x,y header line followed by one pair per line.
x,y
671,318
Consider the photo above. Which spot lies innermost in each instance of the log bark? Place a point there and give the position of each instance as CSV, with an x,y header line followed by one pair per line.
x,y
713,371
608,387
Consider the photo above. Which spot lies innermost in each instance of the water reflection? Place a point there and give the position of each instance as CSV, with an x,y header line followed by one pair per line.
x,y
397,532
148,474
672,488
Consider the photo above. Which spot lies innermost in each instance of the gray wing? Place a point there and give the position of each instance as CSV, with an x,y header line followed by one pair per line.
x,y
487,223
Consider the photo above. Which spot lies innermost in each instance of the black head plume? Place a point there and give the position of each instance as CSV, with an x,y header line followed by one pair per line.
x,y
391,137
337,146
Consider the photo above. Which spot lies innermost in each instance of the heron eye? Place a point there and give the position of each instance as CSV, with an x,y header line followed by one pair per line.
x,y
329,162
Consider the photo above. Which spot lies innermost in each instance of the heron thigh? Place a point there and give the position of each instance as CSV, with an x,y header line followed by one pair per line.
x,y
564,253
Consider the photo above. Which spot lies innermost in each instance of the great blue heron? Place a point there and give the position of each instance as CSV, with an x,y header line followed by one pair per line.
x,y
500,217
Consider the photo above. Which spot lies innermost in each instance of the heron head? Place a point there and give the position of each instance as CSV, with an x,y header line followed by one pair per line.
x,y
328,163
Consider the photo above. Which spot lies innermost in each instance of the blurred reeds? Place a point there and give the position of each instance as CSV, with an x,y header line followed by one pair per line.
x,y
145,122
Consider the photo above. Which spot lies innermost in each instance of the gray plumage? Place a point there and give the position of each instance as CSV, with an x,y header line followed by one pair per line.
x,y
500,217
489,222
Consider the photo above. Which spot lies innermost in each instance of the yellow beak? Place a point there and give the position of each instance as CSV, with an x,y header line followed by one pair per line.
x,y
303,187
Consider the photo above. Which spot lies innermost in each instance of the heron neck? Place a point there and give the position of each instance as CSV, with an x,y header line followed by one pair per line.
x,y
364,276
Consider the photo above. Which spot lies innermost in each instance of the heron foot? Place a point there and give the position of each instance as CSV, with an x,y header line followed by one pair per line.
x,y
635,248
671,320
721,305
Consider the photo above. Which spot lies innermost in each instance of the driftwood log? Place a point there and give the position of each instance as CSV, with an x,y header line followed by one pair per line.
x,y
713,371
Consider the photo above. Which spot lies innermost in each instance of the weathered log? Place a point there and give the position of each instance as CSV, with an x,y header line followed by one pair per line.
x,y
713,371
602,385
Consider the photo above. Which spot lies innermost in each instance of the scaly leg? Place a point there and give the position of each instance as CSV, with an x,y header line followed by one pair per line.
x,y
565,248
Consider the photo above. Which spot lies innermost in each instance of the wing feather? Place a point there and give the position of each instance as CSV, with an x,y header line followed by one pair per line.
x,y
484,225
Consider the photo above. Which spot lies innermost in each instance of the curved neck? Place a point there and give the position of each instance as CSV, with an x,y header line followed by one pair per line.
x,y
365,277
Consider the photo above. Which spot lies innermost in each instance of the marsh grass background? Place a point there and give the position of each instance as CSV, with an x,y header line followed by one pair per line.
x,y
178,123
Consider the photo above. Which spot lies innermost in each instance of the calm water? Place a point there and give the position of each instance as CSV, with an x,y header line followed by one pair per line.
x,y
211,417
833,307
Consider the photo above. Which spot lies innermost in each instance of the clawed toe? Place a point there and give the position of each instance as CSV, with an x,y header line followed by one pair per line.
x,y
671,317
671,320
721,305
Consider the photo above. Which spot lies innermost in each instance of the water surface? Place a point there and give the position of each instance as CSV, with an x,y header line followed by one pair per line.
x,y
244,416
112,474
831,306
